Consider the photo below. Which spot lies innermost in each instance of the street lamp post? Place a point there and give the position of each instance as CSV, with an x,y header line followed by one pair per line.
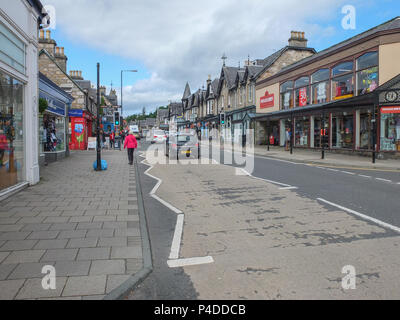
x,y
122,87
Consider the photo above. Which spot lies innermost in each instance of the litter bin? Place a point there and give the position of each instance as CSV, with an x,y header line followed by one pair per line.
x,y
243,140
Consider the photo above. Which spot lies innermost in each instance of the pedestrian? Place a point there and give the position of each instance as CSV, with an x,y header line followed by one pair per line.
x,y
131,144
288,139
112,137
103,139
3,146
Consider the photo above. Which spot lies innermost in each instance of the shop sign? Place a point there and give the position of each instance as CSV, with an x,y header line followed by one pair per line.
x,y
54,106
268,101
386,110
302,97
76,113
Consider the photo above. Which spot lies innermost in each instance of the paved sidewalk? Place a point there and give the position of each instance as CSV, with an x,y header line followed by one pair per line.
x,y
85,224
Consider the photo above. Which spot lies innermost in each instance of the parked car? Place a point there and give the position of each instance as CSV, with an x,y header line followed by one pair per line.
x,y
159,136
183,145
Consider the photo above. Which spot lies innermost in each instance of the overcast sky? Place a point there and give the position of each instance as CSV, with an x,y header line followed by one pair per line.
x,y
174,41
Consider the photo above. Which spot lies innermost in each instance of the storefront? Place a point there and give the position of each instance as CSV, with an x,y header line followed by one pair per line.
x,y
53,138
390,129
80,129
12,138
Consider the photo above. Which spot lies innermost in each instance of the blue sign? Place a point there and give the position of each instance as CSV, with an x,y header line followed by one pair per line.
x,y
55,106
77,113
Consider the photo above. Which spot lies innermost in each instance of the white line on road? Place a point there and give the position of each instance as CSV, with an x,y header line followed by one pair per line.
x,y
333,170
363,216
350,173
384,180
189,262
361,175
288,188
176,243
270,181
177,240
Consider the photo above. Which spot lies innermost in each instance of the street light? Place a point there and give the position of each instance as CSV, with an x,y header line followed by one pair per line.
x,y
122,86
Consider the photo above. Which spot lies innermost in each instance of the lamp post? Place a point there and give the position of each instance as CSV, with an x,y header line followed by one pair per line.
x,y
122,87
98,120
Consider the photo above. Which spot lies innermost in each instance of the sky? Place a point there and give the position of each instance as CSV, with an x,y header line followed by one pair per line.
x,y
177,41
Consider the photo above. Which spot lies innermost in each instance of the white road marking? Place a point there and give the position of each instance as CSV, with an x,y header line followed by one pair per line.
x,y
176,243
174,261
362,216
189,262
350,173
361,175
333,170
384,180
265,180
288,188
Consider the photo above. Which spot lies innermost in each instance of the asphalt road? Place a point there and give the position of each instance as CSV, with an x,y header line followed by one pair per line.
x,y
370,192
163,283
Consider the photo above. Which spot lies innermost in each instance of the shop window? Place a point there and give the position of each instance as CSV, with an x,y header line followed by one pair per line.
x,y
302,93
366,131
343,87
319,87
367,73
302,130
12,50
11,131
287,95
342,131
390,131
343,68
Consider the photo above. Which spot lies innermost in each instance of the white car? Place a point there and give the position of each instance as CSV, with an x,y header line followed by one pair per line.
x,y
159,136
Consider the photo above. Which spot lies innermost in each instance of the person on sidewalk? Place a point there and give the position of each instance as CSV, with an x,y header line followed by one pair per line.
x,y
288,139
131,144
112,137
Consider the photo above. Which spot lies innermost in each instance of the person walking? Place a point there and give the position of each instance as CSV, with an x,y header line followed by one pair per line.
x,y
131,144
112,137
288,138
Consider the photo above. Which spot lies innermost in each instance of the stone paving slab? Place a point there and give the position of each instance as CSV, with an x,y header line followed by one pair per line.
x,y
85,224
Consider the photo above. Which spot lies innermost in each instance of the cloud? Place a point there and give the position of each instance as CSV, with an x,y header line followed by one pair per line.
x,y
183,40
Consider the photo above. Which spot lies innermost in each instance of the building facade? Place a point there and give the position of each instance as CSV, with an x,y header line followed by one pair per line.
x,y
333,99
19,148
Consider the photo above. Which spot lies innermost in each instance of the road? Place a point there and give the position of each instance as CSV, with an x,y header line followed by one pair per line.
x,y
269,240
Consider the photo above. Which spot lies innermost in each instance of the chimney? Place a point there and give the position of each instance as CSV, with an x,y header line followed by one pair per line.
x,y
61,59
41,34
48,34
298,39
45,42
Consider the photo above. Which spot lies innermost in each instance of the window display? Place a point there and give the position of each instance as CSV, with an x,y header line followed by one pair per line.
x,y
342,131
366,131
11,131
302,94
390,130
343,87
302,132
287,95
52,134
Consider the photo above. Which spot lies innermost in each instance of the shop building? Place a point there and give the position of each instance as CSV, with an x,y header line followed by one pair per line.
x,y
343,98
53,64
53,121
19,154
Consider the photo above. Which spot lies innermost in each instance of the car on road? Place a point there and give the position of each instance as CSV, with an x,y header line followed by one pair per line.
x,y
159,136
183,145
134,129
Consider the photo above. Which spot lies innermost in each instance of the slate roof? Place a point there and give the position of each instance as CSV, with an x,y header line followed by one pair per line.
x,y
187,92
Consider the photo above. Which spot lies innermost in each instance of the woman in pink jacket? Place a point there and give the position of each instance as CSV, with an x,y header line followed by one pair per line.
x,y
131,144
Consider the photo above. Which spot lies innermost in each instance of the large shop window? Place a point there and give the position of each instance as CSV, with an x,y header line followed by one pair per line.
x,y
11,131
52,134
390,129
366,142
342,131
302,132
12,50
319,88
343,81
302,92
367,73
287,95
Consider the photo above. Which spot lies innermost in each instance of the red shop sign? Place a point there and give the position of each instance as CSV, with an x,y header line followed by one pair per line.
x,y
302,97
268,101
386,110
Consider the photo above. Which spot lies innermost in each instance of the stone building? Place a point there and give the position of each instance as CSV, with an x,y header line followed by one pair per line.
x,y
53,64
